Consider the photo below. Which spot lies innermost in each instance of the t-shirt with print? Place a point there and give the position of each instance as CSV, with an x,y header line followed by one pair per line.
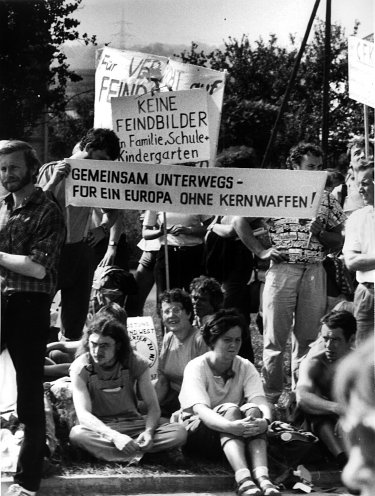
x,y
201,386
292,235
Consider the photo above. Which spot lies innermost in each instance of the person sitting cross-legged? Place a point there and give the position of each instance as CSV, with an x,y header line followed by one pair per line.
x,y
316,375
104,378
224,407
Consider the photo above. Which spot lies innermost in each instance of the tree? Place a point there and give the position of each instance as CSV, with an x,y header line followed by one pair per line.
x,y
257,79
34,72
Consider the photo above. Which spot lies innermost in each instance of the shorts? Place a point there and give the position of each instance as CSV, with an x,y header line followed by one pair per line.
x,y
148,260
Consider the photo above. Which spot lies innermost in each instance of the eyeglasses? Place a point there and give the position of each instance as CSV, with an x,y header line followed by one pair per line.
x,y
172,310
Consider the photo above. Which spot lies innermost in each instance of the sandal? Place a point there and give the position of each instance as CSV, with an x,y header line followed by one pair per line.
x,y
268,489
247,487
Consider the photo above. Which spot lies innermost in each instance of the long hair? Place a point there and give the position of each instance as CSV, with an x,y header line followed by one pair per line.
x,y
109,321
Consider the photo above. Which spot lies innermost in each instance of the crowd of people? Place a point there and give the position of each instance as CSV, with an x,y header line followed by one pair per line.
x,y
209,398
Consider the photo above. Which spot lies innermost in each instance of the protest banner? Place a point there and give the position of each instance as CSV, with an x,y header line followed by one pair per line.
x,y
142,335
169,127
216,191
179,76
361,68
125,73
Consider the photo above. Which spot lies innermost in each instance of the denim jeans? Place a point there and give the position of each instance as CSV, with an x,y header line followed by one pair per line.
x,y
25,327
294,300
167,436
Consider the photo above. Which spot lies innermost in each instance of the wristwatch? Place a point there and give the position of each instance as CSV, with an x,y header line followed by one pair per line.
x,y
112,243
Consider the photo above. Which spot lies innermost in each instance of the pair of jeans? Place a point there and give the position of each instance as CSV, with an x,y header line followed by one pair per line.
x,y
294,300
167,436
25,327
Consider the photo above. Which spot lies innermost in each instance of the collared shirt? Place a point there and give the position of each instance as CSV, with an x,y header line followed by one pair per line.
x,y
35,229
360,237
293,234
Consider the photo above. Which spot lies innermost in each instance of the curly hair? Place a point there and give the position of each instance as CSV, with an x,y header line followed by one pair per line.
x,y
220,323
110,321
102,139
177,295
297,152
210,287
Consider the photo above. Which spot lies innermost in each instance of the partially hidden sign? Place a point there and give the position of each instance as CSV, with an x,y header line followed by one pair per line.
x,y
361,63
173,188
166,127
142,335
121,73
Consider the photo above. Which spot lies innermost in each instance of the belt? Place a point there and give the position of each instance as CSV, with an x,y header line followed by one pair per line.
x,y
183,248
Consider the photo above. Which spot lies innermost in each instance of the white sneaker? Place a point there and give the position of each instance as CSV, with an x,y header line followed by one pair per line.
x,y
17,490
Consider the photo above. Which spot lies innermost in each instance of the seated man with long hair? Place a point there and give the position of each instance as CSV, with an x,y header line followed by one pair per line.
x,y
104,379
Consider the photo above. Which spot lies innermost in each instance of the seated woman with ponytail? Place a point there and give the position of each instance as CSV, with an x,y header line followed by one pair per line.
x,y
224,408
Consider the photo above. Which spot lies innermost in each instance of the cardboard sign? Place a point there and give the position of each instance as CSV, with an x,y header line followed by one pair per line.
x,y
122,73
215,191
169,127
361,55
142,335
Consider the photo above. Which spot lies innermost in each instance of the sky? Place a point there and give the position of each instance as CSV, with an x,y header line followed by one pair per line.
x,y
212,21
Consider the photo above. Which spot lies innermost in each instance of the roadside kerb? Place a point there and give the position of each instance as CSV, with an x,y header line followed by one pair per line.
x,y
162,484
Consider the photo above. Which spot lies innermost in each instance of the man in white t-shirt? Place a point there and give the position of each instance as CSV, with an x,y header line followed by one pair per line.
x,y
359,252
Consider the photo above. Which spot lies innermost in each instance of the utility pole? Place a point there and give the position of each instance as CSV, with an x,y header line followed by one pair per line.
x,y
326,78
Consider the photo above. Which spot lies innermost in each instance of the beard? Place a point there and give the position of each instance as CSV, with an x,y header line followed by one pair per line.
x,y
18,182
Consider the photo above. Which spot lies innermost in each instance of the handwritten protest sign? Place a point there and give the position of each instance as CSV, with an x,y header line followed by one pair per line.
x,y
173,188
361,55
122,73
179,76
166,127
142,335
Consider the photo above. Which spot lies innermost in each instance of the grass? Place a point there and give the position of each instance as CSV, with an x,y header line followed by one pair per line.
x,y
68,461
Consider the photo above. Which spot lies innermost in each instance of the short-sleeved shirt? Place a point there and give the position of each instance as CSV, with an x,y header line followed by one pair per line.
x,y
187,220
112,391
293,234
175,355
77,219
201,386
360,237
35,229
